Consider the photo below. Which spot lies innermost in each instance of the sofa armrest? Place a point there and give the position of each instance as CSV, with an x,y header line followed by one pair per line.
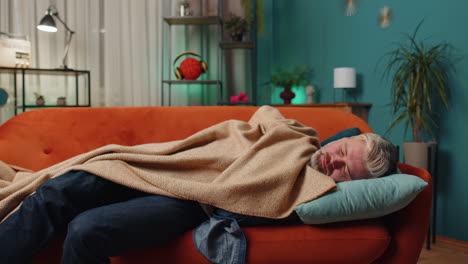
x,y
408,227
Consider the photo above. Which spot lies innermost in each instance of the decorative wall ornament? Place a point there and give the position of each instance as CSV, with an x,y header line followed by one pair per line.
x,y
350,7
385,17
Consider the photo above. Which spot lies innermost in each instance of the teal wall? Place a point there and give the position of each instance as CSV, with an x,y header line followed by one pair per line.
x,y
318,34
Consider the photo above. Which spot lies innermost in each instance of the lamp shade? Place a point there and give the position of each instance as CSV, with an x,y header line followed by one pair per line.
x,y
47,24
344,77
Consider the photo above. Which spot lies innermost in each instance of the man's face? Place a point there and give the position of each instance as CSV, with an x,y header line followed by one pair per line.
x,y
342,160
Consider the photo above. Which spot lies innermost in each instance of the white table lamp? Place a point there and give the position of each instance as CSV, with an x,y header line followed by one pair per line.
x,y
344,77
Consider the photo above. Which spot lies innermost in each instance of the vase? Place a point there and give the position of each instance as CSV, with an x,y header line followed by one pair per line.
x,y
287,95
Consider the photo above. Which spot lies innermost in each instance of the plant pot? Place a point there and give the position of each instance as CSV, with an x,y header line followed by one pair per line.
x,y
61,101
237,36
287,95
40,101
417,154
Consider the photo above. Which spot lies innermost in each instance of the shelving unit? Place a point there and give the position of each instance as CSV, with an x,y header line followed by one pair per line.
x,y
223,90
192,20
237,45
20,94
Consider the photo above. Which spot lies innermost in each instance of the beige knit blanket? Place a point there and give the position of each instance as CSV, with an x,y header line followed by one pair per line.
x,y
260,167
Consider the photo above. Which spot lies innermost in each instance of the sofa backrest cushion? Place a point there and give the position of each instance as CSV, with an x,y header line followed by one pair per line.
x,y
40,138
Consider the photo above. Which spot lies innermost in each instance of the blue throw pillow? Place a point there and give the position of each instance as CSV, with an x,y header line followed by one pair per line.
x,y
362,199
345,133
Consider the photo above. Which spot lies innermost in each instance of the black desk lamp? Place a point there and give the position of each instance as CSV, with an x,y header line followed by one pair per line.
x,y
48,24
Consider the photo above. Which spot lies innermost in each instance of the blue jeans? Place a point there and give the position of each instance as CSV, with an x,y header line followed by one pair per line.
x,y
101,219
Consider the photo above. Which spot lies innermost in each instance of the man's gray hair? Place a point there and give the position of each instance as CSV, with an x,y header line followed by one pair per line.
x,y
382,155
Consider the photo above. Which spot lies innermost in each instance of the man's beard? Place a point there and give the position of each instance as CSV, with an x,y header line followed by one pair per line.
x,y
316,161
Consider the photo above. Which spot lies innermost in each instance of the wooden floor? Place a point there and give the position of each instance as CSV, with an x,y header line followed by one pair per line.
x,y
445,251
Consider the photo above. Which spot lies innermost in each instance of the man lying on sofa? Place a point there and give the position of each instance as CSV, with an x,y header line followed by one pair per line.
x,y
116,198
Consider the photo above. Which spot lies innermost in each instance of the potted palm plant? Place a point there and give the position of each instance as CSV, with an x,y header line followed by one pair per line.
x,y
419,74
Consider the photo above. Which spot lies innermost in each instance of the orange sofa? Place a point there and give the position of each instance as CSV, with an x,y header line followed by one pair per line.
x,y
40,138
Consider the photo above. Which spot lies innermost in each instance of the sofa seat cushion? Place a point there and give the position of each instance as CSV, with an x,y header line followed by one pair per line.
x,y
351,242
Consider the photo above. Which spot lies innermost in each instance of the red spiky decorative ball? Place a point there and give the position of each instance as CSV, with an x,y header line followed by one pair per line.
x,y
191,68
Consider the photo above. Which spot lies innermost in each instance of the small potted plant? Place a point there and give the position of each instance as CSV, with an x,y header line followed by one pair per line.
x,y
61,101
40,101
236,26
288,79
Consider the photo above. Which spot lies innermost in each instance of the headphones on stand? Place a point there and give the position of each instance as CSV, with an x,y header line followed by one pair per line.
x,y
190,68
